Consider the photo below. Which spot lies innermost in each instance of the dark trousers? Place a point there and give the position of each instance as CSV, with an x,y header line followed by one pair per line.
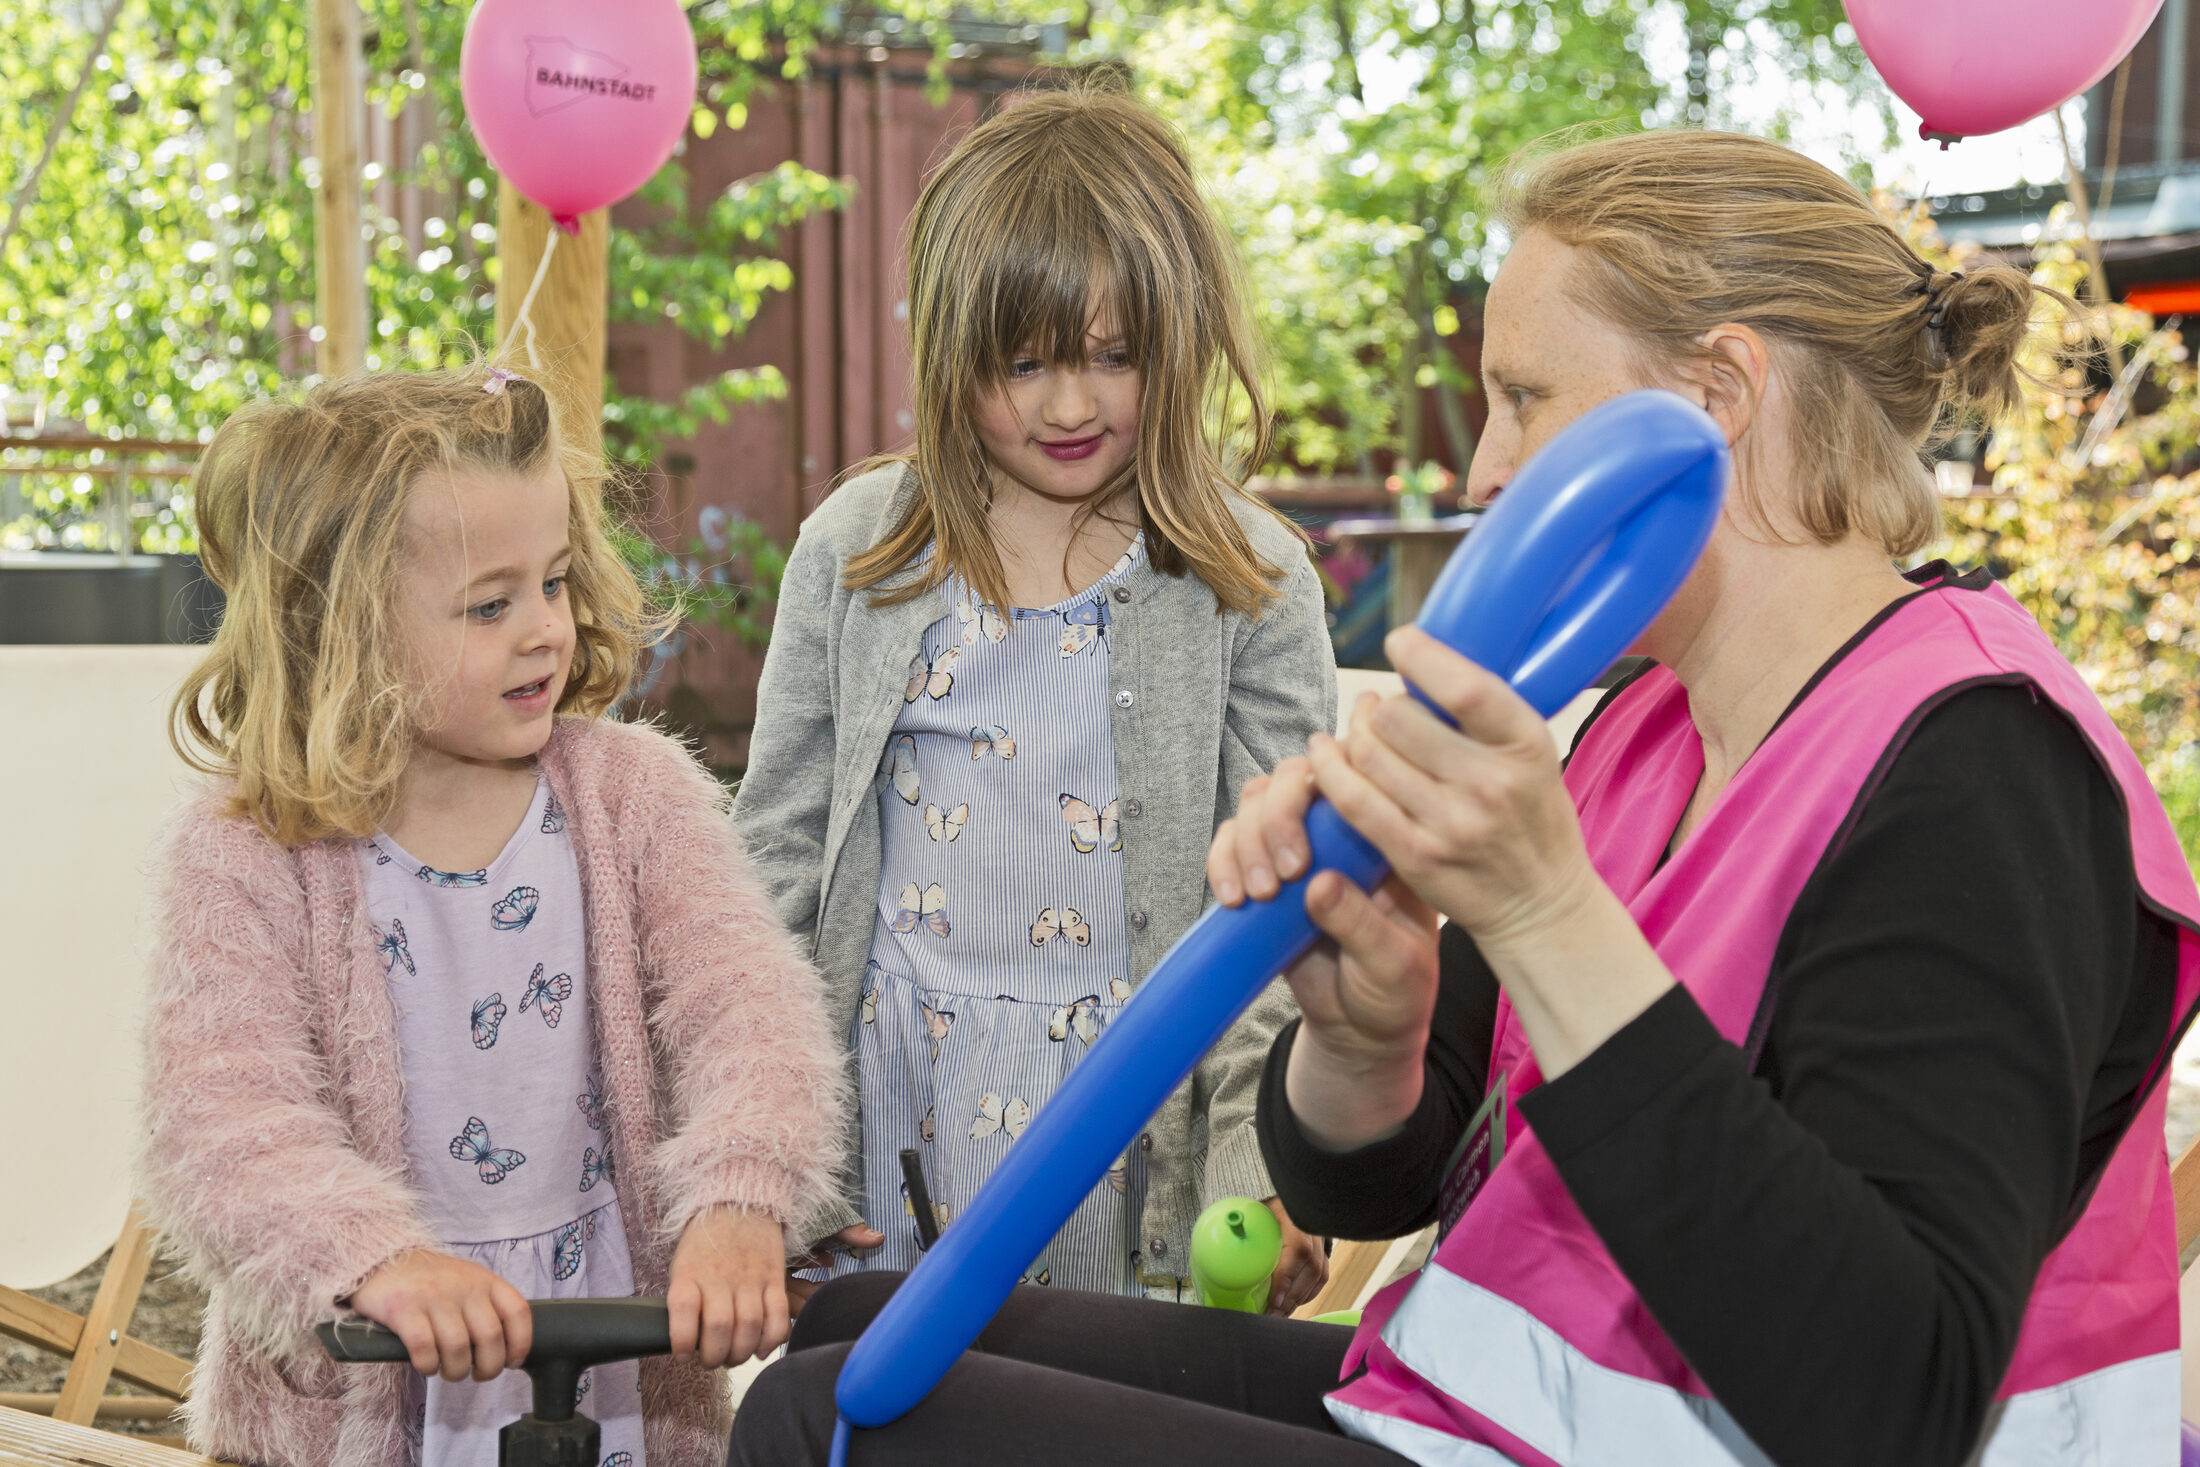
x,y
1069,1379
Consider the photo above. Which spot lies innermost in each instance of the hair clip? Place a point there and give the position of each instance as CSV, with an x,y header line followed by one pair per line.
x,y
498,376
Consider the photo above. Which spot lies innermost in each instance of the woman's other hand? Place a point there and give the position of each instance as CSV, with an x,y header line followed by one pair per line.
x,y
728,1291
457,1319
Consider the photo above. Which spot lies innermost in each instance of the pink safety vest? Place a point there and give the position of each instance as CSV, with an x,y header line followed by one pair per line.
x,y
1521,1341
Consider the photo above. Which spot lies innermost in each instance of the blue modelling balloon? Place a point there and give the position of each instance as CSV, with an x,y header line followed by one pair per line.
x,y
1577,556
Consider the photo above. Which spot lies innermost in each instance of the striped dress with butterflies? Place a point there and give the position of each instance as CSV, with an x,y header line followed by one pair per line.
x,y
504,1118
1001,945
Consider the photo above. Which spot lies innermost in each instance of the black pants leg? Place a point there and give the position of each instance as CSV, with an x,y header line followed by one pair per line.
x,y
1071,1379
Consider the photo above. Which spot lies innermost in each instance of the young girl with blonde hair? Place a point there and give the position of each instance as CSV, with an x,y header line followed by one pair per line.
x,y
1018,674
464,992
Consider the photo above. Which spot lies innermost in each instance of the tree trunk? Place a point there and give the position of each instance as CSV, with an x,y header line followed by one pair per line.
x,y
339,246
1451,413
563,345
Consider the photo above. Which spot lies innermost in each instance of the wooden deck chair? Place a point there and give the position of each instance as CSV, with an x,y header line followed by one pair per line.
x,y
1357,1269
28,1440
99,1347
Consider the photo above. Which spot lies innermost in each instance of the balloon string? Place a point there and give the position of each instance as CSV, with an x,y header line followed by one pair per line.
x,y
521,321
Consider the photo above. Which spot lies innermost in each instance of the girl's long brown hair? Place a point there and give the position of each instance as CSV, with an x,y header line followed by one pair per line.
x,y
1062,202
304,698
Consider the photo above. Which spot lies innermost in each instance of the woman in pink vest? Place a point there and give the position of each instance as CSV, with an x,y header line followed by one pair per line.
x,y
1788,1082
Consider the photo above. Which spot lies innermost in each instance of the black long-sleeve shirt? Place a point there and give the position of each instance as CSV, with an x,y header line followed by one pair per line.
x,y
1841,1242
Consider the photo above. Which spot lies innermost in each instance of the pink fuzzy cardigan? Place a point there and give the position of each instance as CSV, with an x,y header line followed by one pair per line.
x,y
273,1154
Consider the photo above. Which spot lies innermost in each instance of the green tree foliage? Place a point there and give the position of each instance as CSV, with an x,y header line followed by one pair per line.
x,y
2092,521
1350,142
162,273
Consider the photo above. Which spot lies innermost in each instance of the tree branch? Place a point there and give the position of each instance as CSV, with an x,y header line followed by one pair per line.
x,y
1343,17
28,189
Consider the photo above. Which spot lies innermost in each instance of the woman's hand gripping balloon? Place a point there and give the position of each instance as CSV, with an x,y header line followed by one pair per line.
x,y
1476,823
1476,818
1365,995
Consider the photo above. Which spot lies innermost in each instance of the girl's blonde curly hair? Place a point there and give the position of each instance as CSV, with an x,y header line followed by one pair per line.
x,y
304,698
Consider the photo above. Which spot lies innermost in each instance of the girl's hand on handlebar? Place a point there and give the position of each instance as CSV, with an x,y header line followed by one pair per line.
x,y
728,1294
456,1318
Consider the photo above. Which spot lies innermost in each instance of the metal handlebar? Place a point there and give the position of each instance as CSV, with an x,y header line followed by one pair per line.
x,y
569,1336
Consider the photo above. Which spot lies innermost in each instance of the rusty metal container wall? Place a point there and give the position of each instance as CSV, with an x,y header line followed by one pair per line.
x,y
839,337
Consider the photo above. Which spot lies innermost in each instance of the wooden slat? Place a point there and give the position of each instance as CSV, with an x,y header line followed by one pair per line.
x,y
100,1339
50,1327
115,1408
1356,1270
566,353
1351,1264
36,1441
2184,1183
339,253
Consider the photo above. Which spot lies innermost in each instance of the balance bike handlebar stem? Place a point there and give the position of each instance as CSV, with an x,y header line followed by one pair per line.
x,y
1567,568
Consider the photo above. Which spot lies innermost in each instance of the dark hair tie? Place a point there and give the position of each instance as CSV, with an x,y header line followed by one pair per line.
x,y
1935,290
1936,293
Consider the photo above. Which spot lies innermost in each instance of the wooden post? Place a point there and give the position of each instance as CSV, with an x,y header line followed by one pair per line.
x,y
567,317
340,256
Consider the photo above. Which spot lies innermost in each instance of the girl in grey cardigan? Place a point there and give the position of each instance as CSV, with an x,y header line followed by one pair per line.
x,y
988,824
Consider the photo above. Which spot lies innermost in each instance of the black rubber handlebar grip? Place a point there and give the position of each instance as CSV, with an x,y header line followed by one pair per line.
x,y
584,1331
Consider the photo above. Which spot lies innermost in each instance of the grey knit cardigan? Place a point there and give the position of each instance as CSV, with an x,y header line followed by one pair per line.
x,y
1204,701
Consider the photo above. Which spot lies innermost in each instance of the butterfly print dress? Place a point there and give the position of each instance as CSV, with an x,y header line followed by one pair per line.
x,y
1001,946
506,1139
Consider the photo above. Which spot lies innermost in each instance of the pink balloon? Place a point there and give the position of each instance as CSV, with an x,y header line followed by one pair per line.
x,y
578,102
1978,66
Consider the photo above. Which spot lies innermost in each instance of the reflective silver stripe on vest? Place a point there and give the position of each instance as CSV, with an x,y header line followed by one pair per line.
x,y
1422,1444
1507,1366
1503,1363
2124,1414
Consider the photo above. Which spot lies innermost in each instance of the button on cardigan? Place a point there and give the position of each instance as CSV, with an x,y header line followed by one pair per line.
x,y
1205,701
